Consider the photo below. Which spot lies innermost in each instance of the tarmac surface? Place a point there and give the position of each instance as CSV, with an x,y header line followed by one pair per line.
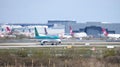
x,y
35,43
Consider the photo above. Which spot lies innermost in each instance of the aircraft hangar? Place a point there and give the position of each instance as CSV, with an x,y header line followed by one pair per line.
x,y
91,28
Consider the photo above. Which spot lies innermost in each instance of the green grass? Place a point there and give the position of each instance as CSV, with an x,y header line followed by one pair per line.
x,y
59,57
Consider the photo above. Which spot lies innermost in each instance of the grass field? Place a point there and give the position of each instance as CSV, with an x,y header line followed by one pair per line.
x,y
60,57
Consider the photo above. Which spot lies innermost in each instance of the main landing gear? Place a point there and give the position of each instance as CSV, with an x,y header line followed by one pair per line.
x,y
50,43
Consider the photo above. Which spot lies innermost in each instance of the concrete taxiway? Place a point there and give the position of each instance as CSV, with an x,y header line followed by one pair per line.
x,y
64,44
59,46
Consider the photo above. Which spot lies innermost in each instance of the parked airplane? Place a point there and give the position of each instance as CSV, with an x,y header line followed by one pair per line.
x,y
47,38
11,32
17,32
110,35
67,35
78,35
75,35
8,33
61,35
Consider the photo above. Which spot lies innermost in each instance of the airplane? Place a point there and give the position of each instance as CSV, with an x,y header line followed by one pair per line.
x,y
61,35
105,33
75,35
11,32
78,35
67,35
7,32
54,40
16,32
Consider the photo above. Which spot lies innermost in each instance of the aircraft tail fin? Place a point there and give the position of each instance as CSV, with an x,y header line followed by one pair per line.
x,y
36,32
45,31
104,32
71,31
8,29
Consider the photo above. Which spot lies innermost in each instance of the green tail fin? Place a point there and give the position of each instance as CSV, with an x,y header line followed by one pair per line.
x,y
36,32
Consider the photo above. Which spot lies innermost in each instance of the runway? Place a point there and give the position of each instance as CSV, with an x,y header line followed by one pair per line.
x,y
18,44
64,44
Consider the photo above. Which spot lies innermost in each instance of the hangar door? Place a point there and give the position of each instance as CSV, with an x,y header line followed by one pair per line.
x,y
93,31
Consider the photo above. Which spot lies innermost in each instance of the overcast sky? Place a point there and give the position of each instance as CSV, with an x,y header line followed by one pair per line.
x,y
40,11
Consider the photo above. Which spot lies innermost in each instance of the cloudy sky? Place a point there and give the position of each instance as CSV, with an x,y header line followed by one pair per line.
x,y
40,11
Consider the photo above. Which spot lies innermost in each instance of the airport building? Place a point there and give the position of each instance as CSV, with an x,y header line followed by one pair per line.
x,y
62,26
91,28
29,28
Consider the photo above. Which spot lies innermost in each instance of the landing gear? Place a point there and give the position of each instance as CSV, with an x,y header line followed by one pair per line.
x,y
50,43
43,43
59,43
56,43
